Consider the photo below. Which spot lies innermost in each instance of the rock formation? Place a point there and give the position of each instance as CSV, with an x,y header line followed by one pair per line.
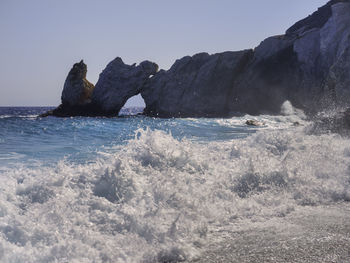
x,y
309,66
77,89
254,123
195,86
118,82
76,94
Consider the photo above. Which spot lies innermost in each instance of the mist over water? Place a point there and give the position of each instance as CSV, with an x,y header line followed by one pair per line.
x,y
138,189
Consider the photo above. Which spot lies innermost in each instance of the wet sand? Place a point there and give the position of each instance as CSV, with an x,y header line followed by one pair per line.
x,y
309,234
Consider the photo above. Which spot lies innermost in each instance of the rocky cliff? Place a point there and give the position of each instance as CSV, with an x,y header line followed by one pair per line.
x,y
309,65
195,86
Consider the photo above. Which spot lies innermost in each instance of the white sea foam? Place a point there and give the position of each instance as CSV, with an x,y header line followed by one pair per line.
x,y
290,117
10,155
32,116
159,199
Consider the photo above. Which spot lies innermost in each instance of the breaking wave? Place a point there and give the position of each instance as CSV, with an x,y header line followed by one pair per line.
x,y
161,198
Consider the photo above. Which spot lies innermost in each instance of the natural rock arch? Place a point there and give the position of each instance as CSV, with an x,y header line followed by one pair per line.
x,y
118,82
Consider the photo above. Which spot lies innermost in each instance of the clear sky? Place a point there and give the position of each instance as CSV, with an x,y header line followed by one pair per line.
x,y
40,40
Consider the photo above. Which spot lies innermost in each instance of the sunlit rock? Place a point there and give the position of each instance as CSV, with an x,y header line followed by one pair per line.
x,y
76,94
77,89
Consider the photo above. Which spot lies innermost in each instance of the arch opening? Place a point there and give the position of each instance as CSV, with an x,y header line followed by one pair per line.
x,y
133,106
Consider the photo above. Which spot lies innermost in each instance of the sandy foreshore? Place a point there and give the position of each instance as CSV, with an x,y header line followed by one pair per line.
x,y
309,234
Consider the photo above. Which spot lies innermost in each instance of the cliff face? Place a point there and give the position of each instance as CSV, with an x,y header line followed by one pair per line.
x,y
195,86
335,48
309,65
322,55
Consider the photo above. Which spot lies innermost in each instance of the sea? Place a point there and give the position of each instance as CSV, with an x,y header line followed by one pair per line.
x,y
140,189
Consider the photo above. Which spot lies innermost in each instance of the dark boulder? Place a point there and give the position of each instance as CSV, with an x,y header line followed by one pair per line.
x,y
254,123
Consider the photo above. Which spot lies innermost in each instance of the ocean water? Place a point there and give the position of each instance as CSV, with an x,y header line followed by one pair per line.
x,y
140,189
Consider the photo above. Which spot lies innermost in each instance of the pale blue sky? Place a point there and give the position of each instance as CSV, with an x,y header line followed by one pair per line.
x,y
42,39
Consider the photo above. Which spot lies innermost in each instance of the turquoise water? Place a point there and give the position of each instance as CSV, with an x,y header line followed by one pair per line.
x,y
25,138
139,189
